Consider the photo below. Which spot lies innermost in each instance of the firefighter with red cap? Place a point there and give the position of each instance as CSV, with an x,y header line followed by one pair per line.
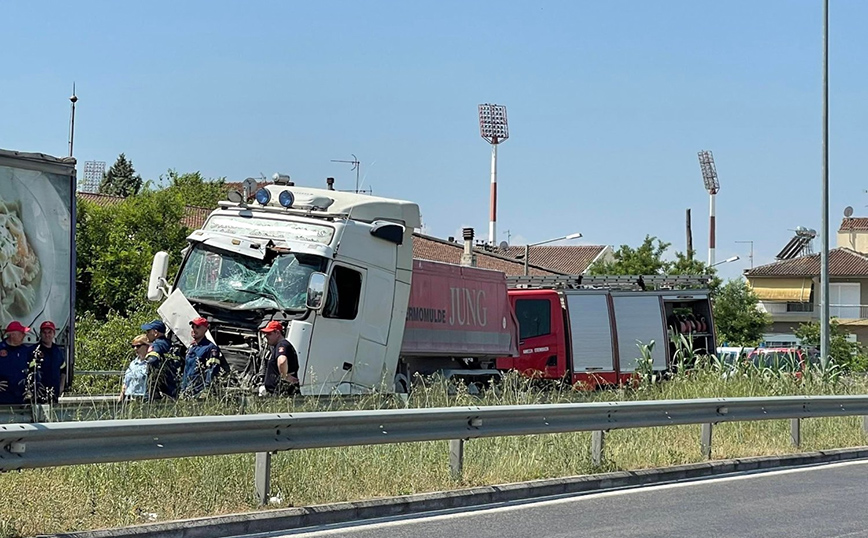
x,y
52,364
280,371
203,363
16,370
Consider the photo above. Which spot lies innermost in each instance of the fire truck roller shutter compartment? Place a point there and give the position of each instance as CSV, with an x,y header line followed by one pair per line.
x,y
591,332
639,319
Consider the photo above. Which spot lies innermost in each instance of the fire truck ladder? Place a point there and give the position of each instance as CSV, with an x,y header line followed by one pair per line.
x,y
624,282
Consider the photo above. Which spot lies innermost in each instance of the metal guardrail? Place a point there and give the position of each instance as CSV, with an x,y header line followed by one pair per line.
x,y
25,446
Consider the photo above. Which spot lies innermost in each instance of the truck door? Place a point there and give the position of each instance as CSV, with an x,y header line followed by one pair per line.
x,y
336,332
541,335
370,369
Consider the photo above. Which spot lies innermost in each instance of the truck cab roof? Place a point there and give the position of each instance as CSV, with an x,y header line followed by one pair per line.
x,y
328,203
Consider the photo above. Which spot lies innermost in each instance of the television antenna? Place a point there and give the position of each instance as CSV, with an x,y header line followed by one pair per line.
x,y
750,256
357,166
73,99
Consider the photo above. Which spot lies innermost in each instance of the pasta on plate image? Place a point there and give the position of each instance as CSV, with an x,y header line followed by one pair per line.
x,y
20,269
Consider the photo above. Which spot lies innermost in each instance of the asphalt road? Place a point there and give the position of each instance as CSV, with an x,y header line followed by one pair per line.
x,y
821,501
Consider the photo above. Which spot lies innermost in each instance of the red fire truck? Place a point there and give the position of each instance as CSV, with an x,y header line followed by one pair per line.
x,y
588,329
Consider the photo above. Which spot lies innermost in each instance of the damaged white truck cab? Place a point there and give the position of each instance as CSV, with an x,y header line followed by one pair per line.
x,y
335,267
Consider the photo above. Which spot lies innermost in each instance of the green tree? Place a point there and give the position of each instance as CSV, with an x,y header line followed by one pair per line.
x,y
647,259
738,321
195,190
687,264
121,179
848,354
116,246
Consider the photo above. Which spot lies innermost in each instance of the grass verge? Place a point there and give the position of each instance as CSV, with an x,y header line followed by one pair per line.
x,y
96,496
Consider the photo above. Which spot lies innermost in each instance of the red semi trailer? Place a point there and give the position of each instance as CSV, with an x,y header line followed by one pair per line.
x,y
459,321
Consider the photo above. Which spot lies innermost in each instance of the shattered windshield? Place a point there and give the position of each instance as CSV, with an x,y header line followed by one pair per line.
x,y
278,281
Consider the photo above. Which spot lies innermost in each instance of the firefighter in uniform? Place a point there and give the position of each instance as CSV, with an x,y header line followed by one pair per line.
x,y
162,367
18,374
280,371
203,362
52,364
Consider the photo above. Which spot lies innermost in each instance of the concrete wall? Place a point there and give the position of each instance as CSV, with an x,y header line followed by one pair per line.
x,y
857,241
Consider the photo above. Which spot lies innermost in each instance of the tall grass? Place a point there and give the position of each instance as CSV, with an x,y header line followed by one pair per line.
x,y
95,496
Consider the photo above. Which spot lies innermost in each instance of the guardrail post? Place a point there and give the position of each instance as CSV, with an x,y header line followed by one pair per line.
x,y
456,458
705,442
41,412
598,441
865,424
796,432
262,477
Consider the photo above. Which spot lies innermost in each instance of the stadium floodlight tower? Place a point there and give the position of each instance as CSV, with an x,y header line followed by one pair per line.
x,y
712,185
494,129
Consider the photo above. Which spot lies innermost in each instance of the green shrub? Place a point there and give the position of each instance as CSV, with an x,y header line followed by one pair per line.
x,y
104,344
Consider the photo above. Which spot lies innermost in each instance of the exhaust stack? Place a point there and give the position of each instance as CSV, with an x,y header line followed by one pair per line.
x,y
468,258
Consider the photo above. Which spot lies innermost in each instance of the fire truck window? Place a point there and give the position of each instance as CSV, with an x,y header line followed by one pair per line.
x,y
345,290
534,317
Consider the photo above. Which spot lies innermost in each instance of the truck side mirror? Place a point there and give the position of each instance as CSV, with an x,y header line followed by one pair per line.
x,y
157,285
316,290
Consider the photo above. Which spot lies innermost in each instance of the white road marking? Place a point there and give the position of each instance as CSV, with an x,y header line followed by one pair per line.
x,y
410,519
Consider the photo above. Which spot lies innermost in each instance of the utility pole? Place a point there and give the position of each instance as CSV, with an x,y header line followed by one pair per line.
x,y
689,238
824,253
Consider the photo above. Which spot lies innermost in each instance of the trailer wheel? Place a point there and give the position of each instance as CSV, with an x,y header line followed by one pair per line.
x,y
402,383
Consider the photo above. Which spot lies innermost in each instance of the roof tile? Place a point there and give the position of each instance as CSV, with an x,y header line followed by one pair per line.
x,y
842,262
572,260
438,250
854,224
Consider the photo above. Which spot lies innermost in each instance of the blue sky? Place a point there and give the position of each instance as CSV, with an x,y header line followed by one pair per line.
x,y
608,104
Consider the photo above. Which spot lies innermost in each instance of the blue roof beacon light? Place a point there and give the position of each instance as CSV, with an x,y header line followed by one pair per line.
x,y
263,196
286,199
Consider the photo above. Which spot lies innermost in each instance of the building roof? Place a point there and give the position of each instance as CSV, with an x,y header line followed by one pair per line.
x,y
194,217
102,200
431,248
571,260
854,224
842,262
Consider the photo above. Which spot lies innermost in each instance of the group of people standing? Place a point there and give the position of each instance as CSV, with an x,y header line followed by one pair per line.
x,y
37,373
157,372
31,373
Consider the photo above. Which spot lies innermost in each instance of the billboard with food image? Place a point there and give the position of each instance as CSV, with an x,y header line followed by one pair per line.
x,y
37,227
